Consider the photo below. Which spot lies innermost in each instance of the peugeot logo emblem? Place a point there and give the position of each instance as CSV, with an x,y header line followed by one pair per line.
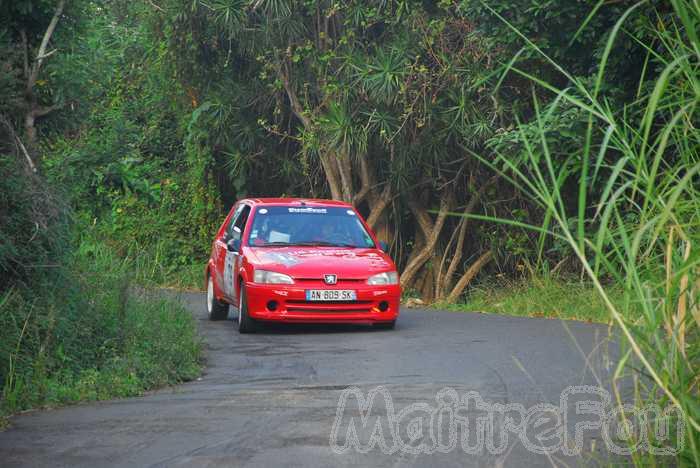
x,y
330,279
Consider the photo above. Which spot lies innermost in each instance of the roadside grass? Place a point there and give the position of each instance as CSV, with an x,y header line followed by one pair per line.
x,y
640,231
182,278
85,334
537,297
154,267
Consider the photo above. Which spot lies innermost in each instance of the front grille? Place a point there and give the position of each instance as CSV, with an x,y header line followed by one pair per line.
x,y
339,281
333,311
354,307
322,303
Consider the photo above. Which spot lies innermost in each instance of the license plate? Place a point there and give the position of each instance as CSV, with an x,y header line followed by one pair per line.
x,y
330,295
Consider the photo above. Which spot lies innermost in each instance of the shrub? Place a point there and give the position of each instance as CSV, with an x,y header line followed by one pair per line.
x,y
83,333
637,207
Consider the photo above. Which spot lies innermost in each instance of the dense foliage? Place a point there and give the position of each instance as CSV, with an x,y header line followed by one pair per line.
x,y
72,327
82,333
172,110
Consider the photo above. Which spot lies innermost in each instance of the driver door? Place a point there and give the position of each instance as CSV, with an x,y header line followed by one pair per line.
x,y
232,263
223,275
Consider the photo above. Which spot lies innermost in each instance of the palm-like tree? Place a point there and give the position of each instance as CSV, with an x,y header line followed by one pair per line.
x,y
377,97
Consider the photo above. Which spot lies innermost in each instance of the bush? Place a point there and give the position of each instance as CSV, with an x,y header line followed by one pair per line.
x,y
637,210
83,334
33,225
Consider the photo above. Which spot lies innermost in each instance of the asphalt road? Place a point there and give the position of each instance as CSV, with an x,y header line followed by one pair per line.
x,y
271,398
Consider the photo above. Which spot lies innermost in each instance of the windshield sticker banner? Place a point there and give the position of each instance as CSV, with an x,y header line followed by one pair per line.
x,y
308,210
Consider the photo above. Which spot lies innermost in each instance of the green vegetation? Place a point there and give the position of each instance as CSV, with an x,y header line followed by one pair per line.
x,y
477,137
537,297
163,113
73,325
640,230
84,333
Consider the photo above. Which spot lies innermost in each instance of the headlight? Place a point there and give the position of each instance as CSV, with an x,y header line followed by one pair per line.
x,y
271,277
388,277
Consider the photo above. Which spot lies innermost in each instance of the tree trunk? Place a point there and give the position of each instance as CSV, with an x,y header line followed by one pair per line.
x,y
468,276
440,284
345,170
30,127
431,232
426,290
328,162
330,169
378,202
378,206
459,249
34,110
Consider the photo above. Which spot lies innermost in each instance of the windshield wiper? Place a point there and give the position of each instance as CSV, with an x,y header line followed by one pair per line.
x,y
327,244
308,244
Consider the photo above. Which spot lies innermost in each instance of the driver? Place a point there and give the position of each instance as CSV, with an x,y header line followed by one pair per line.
x,y
331,232
279,230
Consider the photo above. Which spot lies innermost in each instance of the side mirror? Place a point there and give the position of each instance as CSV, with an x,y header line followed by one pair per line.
x,y
233,245
384,246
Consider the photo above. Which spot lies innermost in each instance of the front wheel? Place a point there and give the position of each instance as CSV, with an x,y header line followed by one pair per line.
x,y
245,323
217,310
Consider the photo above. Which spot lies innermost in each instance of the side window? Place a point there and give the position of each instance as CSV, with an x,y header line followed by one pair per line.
x,y
228,233
240,222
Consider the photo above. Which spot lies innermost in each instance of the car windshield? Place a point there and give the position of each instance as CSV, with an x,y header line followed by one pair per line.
x,y
311,226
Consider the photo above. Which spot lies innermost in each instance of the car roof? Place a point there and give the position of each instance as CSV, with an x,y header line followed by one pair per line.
x,y
295,202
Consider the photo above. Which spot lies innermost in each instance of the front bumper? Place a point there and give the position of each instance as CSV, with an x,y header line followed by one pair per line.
x,y
374,304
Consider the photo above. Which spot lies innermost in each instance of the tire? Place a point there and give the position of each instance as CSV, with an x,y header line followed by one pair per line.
x,y
245,323
385,325
217,310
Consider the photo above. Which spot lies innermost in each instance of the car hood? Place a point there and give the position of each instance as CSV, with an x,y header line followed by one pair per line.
x,y
305,262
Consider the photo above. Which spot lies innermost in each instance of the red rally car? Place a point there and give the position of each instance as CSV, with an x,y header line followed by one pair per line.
x,y
299,260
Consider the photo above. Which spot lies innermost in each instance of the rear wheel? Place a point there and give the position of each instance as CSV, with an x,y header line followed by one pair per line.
x,y
245,323
217,310
385,325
